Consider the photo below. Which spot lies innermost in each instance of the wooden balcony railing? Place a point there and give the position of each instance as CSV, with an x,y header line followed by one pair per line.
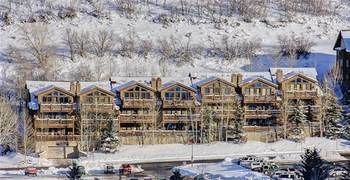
x,y
178,104
139,103
261,113
172,118
50,137
217,98
136,118
56,107
259,99
97,107
54,123
301,94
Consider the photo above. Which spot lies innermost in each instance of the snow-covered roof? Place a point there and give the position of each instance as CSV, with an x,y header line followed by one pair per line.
x,y
210,79
171,83
121,86
290,72
343,41
88,86
34,86
253,78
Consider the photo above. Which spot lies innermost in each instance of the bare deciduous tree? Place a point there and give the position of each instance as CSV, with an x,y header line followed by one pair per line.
x,y
294,46
82,42
69,42
103,42
128,8
145,47
8,121
36,38
127,46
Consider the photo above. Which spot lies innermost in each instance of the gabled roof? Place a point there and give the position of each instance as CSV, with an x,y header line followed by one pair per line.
x,y
95,87
33,86
170,84
343,41
310,73
257,78
132,83
49,88
293,74
211,79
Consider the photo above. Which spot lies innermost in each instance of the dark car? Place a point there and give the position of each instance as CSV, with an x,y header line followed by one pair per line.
x,y
31,171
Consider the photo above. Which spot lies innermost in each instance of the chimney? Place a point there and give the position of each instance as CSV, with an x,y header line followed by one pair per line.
x,y
154,83
77,87
158,83
234,79
72,87
239,78
279,75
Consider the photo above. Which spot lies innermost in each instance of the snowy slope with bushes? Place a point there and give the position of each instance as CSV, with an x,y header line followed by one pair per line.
x,y
97,39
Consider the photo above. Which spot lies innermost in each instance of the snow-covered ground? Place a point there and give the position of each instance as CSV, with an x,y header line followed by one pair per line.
x,y
14,160
223,170
282,151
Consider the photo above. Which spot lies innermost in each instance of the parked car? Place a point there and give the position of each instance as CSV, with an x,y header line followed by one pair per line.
x,y
277,174
337,171
31,171
283,175
109,169
246,161
269,168
257,165
129,169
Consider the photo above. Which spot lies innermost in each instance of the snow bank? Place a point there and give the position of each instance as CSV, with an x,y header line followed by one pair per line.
x,y
283,150
223,170
16,160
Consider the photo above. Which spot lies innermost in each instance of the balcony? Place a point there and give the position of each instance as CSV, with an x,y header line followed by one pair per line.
x,y
178,104
261,114
259,99
301,94
56,107
97,107
50,137
136,118
217,98
54,123
139,103
175,118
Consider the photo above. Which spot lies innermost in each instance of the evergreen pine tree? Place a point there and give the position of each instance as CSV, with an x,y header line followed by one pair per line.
x,y
209,124
332,115
297,119
176,175
110,141
313,167
236,128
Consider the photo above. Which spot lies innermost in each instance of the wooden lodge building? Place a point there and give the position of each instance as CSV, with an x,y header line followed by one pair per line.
x,y
69,117
342,48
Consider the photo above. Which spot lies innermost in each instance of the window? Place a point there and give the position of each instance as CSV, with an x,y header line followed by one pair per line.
x,y
177,93
137,93
207,90
56,97
227,91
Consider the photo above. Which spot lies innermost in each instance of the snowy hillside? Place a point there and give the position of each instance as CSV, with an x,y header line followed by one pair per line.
x,y
167,38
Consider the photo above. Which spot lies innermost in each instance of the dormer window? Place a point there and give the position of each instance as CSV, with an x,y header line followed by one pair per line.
x,y
177,93
56,97
137,93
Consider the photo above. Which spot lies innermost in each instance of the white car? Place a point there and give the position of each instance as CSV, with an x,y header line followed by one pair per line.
x,y
246,161
337,171
256,165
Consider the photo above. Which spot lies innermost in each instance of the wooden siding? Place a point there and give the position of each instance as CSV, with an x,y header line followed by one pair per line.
x,y
54,123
